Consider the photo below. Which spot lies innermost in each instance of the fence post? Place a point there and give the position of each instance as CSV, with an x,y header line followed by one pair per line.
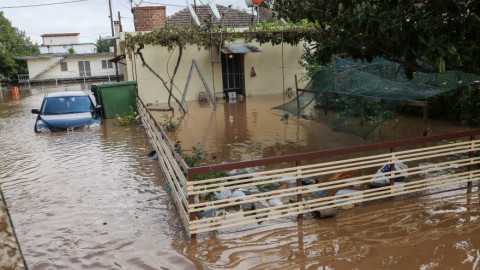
x,y
191,200
471,154
392,171
298,163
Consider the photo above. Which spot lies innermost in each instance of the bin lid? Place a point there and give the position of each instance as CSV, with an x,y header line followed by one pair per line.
x,y
113,84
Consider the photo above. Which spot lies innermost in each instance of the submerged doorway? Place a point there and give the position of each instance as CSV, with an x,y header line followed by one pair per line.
x,y
233,74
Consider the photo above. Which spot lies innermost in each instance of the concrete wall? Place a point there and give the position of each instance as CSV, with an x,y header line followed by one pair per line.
x,y
60,40
267,65
78,48
39,64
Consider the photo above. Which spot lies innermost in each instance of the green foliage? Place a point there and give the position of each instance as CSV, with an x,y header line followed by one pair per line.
x,y
265,187
207,35
352,107
193,160
128,118
427,36
104,45
168,124
13,43
71,51
205,176
463,104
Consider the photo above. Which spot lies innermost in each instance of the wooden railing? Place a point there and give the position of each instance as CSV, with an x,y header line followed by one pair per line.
x,y
434,163
171,163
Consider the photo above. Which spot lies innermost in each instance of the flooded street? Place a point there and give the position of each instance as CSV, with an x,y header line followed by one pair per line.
x,y
94,200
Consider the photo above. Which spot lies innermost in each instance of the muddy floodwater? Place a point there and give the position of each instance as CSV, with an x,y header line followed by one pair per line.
x,y
94,200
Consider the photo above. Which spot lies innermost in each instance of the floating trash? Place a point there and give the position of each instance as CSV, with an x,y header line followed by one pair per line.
x,y
238,193
326,213
317,191
153,154
261,204
247,206
209,213
385,172
275,202
355,183
249,190
308,181
290,181
352,195
223,194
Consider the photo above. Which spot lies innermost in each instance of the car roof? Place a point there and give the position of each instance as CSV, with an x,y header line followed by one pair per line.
x,y
66,94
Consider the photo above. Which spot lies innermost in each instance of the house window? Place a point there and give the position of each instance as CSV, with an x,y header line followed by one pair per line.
x,y
64,66
106,64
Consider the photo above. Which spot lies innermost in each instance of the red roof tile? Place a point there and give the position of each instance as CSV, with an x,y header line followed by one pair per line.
x,y
60,35
231,18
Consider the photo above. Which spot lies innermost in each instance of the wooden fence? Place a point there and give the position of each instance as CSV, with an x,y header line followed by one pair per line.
x,y
274,185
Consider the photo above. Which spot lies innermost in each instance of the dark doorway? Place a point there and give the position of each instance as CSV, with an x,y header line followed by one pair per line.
x,y
233,74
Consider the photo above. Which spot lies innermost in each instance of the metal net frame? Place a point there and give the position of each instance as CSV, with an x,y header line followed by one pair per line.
x,y
356,97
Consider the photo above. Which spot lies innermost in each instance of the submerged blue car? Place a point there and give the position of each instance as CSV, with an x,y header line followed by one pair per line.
x,y
67,111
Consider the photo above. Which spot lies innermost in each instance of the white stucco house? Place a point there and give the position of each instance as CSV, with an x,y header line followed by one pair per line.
x,y
239,68
63,57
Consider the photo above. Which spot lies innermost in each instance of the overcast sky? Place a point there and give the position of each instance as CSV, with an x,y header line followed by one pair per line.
x,y
90,18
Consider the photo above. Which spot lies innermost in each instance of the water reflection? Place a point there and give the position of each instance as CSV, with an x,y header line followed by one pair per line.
x,y
250,129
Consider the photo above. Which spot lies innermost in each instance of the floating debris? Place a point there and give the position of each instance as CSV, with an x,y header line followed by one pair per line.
x,y
385,172
223,194
348,197
326,213
275,202
153,154
238,193
308,181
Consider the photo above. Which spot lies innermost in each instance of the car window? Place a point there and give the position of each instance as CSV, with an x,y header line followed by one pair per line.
x,y
61,105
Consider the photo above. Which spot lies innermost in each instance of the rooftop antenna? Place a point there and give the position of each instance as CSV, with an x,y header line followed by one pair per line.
x,y
254,5
135,2
213,8
192,12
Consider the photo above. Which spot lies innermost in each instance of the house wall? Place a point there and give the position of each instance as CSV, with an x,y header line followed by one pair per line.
x,y
37,65
78,48
60,40
55,72
267,66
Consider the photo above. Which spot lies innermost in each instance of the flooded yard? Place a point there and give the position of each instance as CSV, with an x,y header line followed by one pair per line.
x,y
94,200
249,129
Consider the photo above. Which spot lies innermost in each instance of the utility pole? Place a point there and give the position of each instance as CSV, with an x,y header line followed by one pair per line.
x,y
114,42
120,22
111,16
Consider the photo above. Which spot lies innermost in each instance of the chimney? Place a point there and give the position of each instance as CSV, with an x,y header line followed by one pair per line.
x,y
149,18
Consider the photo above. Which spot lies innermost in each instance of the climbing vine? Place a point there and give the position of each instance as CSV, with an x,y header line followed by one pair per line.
x,y
208,35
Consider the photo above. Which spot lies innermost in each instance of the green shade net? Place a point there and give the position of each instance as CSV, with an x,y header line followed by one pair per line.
x,y
358,96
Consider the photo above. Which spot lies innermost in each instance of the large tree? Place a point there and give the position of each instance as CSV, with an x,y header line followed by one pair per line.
x,y
103,45
427,36
13,42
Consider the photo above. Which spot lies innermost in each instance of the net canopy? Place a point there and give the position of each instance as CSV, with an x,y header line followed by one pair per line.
x,y
361,95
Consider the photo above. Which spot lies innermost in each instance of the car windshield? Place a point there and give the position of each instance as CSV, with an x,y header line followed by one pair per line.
x,y
61,105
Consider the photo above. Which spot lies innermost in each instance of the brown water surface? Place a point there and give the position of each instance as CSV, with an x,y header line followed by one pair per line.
x,y
94,200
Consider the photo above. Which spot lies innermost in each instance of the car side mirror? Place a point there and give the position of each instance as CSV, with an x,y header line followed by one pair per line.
x,y
36,111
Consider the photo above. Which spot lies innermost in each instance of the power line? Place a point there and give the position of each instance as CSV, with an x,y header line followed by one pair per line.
x,y
123,4
48,4
171,5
